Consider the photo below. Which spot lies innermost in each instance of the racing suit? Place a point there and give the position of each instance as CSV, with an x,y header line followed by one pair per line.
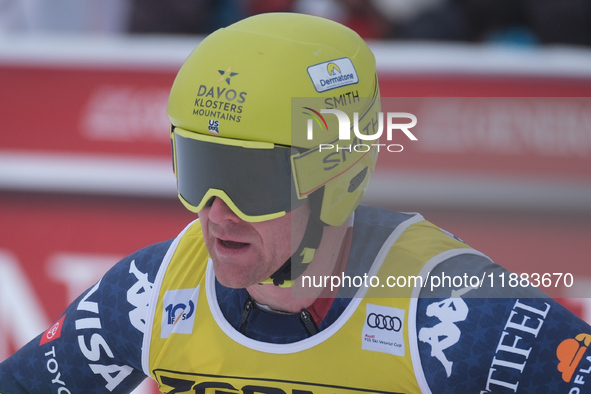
x,y
161,313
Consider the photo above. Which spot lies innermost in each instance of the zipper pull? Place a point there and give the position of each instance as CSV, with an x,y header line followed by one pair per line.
x,y
308,322
245,313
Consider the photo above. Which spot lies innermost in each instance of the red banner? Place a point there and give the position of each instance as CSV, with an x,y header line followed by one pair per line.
x,y
82,145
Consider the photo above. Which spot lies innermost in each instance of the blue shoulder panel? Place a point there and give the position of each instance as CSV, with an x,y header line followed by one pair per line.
x,y
95,346
499,340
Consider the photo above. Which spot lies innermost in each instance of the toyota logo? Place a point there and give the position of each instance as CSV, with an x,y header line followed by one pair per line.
x,y
384,322
52,331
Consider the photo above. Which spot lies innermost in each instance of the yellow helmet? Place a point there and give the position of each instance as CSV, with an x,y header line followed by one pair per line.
x,y
241,107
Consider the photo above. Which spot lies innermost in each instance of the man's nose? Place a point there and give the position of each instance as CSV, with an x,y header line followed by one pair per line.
x,y
220,212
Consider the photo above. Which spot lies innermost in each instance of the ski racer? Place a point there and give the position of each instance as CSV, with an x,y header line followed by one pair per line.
x,y
231,304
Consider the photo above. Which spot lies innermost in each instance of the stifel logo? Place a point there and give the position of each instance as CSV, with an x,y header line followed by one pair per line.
x,y
54,332
570,352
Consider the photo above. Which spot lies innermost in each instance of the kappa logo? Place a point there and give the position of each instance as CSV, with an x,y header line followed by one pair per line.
x,y
178,313
445,334
138,295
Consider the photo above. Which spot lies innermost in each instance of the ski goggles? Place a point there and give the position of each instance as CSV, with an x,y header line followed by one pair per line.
x,y
253,178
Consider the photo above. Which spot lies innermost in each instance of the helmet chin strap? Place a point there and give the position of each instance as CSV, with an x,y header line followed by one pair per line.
x,y
301,259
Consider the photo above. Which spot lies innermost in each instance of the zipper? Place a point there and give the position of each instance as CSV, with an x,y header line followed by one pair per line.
x,y
309,323
245,313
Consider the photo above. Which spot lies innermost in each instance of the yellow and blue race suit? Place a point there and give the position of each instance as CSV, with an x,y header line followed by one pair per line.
x,y
161,313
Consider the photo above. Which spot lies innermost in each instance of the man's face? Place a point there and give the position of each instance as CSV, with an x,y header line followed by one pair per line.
x,y
245,253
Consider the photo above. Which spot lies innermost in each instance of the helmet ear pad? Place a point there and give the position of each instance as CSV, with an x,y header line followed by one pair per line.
x,y
344,193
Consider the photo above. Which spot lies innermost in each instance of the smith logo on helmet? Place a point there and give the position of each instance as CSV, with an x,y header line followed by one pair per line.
x,y
333,74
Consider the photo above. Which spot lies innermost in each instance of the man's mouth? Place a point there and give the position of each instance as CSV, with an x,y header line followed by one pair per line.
x,y
233,244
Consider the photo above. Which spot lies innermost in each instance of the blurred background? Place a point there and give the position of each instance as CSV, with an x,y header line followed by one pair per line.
x,y
501,90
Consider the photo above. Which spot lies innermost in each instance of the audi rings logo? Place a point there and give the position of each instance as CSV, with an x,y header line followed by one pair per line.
x,y
384,322
383,330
